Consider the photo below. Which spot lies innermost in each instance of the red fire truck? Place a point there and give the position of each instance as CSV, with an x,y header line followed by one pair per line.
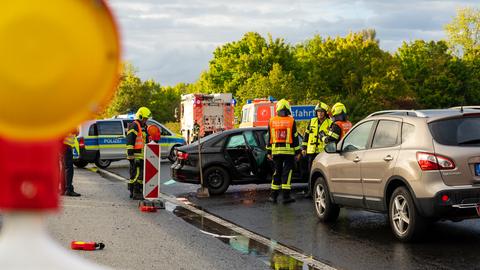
x,y
209,113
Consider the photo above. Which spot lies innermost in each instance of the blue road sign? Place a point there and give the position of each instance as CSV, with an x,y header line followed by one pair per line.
x,y
303,112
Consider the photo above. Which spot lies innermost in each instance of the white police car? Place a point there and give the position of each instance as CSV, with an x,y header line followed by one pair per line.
x,y
104,141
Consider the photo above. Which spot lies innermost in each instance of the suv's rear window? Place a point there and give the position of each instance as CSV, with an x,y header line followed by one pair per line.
x,y
458,131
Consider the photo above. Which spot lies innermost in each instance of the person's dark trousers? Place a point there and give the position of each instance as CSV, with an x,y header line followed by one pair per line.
x,y
310,158
68,166
283,174
135,185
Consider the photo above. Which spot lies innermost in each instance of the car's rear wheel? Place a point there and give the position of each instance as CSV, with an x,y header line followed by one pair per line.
x,y
80,163
102,163
405,220
217,180
326,210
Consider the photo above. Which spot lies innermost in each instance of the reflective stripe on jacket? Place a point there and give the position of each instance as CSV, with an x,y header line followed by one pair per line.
x,y
139,141
313,141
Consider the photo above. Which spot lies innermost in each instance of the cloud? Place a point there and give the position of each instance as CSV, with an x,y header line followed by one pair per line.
x,y
172,41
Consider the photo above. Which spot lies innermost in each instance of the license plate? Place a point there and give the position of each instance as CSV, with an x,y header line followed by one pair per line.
x,y
477,169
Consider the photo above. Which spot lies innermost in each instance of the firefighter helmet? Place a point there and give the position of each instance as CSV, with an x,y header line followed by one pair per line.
x,y
143,113
322,106
283,104
338,108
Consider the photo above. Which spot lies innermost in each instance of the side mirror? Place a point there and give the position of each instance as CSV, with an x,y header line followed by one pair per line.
x,y
331,148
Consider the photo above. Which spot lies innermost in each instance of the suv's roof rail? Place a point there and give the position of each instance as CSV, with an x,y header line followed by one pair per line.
x,y
398,112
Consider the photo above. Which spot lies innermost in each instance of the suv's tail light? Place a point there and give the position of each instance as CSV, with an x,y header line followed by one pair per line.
x,y
182,155
429,161
81,142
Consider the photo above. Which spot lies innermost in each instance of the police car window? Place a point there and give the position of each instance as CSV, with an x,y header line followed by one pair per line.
x,y
250,138
164,131
110,128
92,131
236,141
386,134
357,139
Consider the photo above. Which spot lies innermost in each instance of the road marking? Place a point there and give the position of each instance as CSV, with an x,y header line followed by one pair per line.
x,y
309,260
170,182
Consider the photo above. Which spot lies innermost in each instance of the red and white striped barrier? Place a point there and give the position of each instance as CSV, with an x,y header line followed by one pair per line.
x,y
151,172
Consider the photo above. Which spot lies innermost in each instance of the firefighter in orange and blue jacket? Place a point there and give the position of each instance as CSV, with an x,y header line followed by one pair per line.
x,y
282,148
136,140
340,125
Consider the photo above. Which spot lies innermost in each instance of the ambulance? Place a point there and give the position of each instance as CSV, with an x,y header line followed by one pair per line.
x,y
257,112
207,113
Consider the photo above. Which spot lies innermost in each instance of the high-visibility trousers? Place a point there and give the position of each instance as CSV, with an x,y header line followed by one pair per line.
x,y
282,175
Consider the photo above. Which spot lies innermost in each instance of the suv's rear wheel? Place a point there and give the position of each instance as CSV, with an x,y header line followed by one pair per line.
x,y
404,218
102,163
326,210
217,180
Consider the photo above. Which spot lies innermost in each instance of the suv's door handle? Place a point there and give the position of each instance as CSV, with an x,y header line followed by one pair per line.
x,y
356,159
388,158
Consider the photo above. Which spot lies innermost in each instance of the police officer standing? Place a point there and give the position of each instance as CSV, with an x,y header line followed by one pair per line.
x,y
136,139
282,148
312,143
69,143
340,125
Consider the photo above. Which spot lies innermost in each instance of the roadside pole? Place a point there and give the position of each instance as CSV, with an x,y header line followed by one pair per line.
x,y
202,192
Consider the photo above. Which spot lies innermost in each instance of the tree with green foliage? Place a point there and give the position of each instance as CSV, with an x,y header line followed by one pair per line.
x,y
236,62
131,93
353,70
464,33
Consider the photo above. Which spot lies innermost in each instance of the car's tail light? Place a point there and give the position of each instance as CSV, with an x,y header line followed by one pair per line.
x,y
182,155
81,142
429,161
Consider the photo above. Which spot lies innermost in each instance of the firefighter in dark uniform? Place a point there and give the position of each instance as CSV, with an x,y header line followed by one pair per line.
x,y
282,148
340,125
312,143
136,139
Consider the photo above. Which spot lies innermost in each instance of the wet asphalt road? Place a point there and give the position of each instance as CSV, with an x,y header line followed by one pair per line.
x,y
358,240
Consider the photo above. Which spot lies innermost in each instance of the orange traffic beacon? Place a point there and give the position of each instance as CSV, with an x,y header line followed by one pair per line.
x,y
51,51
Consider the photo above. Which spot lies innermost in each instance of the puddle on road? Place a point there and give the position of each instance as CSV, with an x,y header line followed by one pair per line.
x,y
267,254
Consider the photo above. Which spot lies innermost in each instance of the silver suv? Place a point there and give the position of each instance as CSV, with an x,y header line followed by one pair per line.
x,y
417,168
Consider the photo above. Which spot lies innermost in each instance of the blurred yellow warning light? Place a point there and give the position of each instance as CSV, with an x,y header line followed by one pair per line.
x,y
59,64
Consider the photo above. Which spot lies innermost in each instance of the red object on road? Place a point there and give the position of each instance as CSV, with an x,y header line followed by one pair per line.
x,y
79,245
30,174
148,208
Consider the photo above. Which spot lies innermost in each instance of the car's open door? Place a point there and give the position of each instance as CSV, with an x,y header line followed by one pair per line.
x,y
258,155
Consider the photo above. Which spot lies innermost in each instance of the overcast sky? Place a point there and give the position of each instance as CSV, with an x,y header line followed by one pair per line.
x,y
171,41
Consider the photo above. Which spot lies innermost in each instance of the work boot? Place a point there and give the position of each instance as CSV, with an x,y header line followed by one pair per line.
x,y
286,197
273,196
137,192
130,189
72,194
